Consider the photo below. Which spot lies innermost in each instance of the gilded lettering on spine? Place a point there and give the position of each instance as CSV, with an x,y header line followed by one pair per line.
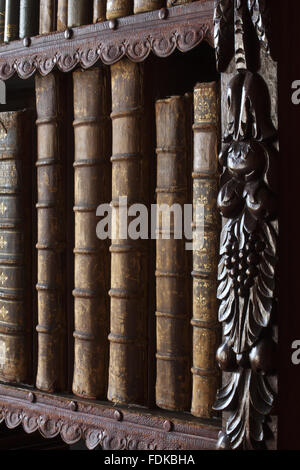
x,y
206,229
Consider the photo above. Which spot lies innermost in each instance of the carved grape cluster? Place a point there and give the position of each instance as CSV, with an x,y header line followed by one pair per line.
x,y
242,263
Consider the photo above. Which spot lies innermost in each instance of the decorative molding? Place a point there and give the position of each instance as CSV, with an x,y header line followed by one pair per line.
x,y
122,428
248,248
239,25
181,27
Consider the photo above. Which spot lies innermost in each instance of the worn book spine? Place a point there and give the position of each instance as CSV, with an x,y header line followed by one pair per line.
x,y
12,13
51,234
79,12
92,268
99,11
128,329
118,8
173,296
29,15
141,6
47,18
174,3
2,20
206,233
62,15
15,245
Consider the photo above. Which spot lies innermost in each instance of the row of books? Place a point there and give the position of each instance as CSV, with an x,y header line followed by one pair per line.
x,y
112,298
26,18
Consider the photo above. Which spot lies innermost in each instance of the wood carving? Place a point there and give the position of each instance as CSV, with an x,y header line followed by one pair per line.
x,y
238,25
248,199
101,424
182,27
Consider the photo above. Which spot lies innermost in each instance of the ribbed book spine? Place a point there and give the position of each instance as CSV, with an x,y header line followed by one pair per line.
x,y
128,328
206,233
62,15
2,20
173,296
79,12
12,14
47,18
15,248
141,6
29,15
92,267
51,286
118,8
99,11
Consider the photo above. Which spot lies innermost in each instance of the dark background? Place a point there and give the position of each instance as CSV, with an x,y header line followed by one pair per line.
x,y
287,31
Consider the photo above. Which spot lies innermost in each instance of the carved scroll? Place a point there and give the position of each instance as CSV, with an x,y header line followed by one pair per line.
x,y
248,248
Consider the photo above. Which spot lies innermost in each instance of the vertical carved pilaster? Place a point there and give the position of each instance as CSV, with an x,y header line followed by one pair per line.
x,y
248,202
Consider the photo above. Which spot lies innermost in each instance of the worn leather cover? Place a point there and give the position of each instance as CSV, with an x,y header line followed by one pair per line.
x,y
62,15
118,8
79,12
92,170
99,11
47,16
15,247
173,295
12,14
29,16
51,234
129,279
141,6
206,329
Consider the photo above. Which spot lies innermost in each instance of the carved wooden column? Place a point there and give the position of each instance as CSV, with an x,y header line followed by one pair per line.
x,y
248,203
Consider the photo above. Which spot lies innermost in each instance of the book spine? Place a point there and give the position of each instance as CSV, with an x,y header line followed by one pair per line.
x,y
92,267
206,233
118,8
128,329
173,299
79,12
15,245
28,18
141,6
51,286
174,3
99,11
47,16
62,15
2,20
12,11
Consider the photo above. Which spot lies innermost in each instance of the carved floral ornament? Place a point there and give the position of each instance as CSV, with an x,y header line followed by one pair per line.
x,y
248,248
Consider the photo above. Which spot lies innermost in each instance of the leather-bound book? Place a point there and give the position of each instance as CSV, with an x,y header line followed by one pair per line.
x,y
206,234
118,8
141,6
62,15
2,20
29,18
47,21
128,327
15,247
92,259
99,11
79,12
12,14
51,233
173,294
173,3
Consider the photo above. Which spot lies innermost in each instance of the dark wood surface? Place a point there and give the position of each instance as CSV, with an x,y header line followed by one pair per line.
x,y
161,32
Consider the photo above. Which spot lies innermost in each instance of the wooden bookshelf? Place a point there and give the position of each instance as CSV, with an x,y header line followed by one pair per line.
x,y
160,32
112,427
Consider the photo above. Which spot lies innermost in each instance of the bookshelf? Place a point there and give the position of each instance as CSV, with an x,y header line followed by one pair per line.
x,y
158,33
158,38
181,27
